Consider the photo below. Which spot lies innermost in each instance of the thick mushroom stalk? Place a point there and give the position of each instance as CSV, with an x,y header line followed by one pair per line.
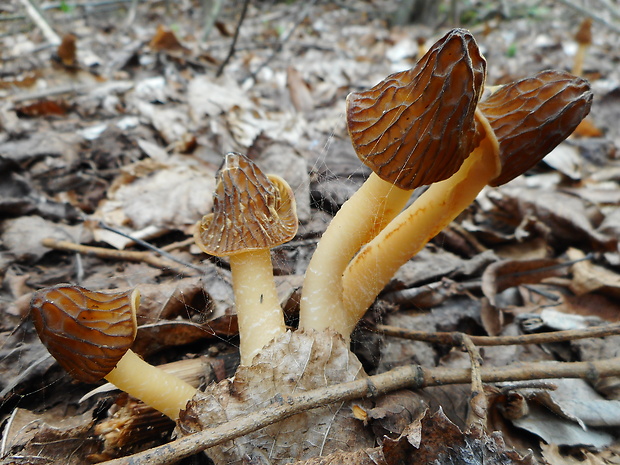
x,y
252,212
520,123
89,334
408,130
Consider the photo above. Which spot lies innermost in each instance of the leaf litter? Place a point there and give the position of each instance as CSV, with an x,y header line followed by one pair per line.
x,y
131,132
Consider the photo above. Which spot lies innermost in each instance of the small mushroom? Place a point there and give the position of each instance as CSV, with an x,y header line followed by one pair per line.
x,y
252,212
583,37
413,128
520,124
90,334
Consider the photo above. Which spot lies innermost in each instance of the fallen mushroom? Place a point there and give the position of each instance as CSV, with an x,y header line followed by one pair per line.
x,y
413,128
520,123
90,333
252,212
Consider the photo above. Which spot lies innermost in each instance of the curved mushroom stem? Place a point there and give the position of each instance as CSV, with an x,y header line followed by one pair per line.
x,y
360,219
259,314
153,386
409,232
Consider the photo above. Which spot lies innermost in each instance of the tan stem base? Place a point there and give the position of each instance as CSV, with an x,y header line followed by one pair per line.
x,y
154,387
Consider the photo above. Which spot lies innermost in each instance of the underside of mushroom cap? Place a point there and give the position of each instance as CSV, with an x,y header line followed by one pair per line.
x,y
87,332
530,117
251,210
417,126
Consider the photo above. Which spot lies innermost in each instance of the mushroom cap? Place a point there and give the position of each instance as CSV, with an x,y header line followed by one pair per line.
x,y
251,210
417,126
530,117
584,33
87,332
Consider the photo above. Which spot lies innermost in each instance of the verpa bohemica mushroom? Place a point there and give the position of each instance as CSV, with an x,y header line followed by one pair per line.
x,y
252,212
90,334
520,124
412,129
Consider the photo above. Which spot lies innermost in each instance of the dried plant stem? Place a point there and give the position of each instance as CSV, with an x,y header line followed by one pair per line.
x,y
478,403
36,16
132,256
454,338
231,51
410,376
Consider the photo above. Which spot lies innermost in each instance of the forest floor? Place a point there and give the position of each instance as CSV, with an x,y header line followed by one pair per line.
x,y
128,137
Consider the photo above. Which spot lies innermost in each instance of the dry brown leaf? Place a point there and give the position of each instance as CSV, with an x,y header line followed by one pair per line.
x,y
508,273
441,442
299,91
588,277
292,364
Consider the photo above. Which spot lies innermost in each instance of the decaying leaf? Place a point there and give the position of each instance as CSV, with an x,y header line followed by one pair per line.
x,y
292,364
507,273
441,442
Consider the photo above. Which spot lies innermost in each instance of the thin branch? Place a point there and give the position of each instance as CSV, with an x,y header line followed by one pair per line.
x,y
231,52
591,14
143,243
36,17
478,403
144,257
454,338
410,376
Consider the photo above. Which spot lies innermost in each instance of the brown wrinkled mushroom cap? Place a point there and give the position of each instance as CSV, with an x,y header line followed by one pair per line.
x,y
584,33
532,116
416,127
87,332
251,210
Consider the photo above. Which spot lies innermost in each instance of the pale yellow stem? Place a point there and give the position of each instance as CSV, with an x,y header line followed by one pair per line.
x,y
259,314
153,386
358,221
409,232
580,56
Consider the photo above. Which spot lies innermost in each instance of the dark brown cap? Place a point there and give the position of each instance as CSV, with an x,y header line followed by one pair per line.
x,y
87,332
532,116
416,127
251,210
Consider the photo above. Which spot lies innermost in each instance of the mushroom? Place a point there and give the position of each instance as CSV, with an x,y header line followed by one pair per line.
x,y
520,123
583,37
413,128
252,212
90,333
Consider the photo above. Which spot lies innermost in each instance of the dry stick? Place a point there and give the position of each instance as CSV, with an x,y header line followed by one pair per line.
x,y
478,403
409,376
454,338
592,15
231,51
131,256
36,16
143,243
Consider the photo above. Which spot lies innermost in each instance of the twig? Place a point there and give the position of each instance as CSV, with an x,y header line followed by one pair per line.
x,y
285,39
144,257
478,403
36,16
161,252
211,16
592,15
231,51
410,376
454,338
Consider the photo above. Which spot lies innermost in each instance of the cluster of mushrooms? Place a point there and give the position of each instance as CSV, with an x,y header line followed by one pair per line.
x,y
430,125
